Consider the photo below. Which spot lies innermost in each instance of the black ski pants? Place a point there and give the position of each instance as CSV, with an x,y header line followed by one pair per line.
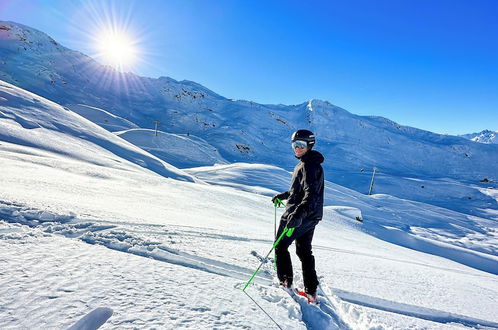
x,y
303,235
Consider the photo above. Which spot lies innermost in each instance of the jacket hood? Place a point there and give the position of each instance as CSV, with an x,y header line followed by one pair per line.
x,y
312,156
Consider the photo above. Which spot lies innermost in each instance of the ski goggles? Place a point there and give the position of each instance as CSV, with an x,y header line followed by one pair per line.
x,y
299,144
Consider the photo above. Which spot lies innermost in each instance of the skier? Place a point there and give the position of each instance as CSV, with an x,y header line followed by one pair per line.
x,y
304,210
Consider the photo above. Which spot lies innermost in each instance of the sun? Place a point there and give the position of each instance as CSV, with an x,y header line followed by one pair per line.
x,y
112,37
117,49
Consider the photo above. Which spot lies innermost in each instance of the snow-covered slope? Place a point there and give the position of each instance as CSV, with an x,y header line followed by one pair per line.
x,y
485,136
467,239
172,254
180,150
30,120
175,252
102,117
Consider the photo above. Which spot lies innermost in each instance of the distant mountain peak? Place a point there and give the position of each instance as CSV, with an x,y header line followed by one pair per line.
x,y
486,136
317,103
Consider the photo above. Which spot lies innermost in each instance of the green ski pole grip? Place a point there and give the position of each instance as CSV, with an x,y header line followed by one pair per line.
x,y
278,203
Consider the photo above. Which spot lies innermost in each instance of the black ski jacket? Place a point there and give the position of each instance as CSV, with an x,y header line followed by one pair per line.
x,y
305,197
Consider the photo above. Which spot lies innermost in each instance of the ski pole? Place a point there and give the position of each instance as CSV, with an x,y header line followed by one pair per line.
x,y
275,223
289,233
264,259
275,236
271,318
278,204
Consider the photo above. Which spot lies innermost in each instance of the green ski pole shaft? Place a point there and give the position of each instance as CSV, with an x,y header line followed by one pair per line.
x,y
263,261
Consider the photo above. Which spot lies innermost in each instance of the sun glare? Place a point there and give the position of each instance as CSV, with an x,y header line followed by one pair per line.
x,y
116,49
113,37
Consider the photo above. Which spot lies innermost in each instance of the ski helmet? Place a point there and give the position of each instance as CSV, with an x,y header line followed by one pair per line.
x,y
304,135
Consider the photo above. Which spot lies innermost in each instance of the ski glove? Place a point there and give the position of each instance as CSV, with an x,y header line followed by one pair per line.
x,y
295,220
279,197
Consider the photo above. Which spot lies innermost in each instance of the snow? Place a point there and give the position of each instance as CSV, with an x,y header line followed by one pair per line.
x,y
64,132
166,253
174,147
240,131
440,231
164,231
485,136
93,320
101,117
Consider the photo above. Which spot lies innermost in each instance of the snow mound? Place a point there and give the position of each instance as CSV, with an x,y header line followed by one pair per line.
x,y
93,320
101,117
256,178
348,212
179,150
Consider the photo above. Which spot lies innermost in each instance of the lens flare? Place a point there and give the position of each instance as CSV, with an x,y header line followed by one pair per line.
x,y
111,36
116,49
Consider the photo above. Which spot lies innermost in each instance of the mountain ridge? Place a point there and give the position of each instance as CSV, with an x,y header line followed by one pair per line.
x,y
245,131
485,136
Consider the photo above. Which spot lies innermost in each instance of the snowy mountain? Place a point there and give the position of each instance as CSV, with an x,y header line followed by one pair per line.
x,y
153,251
163,229
412,164
241,130
485,136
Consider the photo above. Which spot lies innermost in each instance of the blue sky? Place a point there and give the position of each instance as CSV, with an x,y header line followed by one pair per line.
x,y
428,64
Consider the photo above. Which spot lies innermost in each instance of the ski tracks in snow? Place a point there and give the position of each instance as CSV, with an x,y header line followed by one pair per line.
x,y
331,312
164,243
173,244
159,242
